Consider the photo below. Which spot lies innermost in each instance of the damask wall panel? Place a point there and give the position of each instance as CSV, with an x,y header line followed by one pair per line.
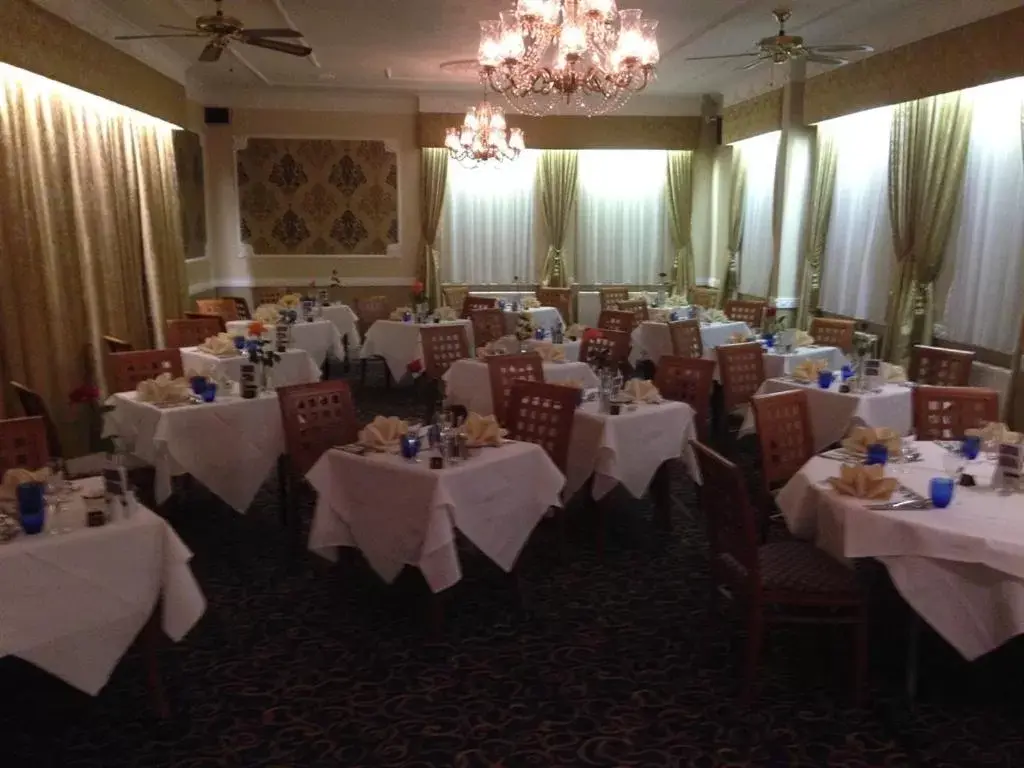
x,y
318,196
188,155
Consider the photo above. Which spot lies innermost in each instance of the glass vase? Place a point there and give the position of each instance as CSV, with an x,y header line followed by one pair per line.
x,y
266,378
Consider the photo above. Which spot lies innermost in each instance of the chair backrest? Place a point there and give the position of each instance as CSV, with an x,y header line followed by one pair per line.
x,y
833,332
241,307
32,404
23,444
614,345
225,308
560,299
945,413
731,519
638,307
316,417
784,432
940,367
704,297
688,380
369,310
472,304
543,414
503,370
746,311
454,295
612,295
192,333
222,327
616,320
114,344
741,370
488,325
268,295
686,338
442,346
127,369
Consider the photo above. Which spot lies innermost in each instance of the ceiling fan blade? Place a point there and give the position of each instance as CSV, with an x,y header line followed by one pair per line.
x,y
282,32
180,29
150,37
756,64
840,48
832,60
726,56
213,51
277,45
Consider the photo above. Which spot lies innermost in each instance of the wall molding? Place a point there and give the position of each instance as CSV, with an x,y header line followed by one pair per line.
x,y
294,280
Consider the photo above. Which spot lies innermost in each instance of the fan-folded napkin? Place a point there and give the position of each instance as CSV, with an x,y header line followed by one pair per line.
x,y
268,314
895,373
863,482
808,370
641,391
575,331
861,437
994,433
802,339
659,315
290,301
550,353
482,430
383,434
446,314
738,338
163,390
221,345
15,477
399,313
506,345
531,302
713,316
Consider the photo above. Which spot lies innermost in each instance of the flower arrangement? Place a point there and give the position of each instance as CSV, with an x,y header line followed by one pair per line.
x,y
419,294
258,349
290,301
524,327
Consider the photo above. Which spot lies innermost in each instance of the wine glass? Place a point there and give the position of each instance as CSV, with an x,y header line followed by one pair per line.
x,y
953,463
54,492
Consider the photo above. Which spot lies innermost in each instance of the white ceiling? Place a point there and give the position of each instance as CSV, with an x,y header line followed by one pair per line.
x,y
398,45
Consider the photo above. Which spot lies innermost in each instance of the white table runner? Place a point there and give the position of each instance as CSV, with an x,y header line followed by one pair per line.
x,y
468,382
295,366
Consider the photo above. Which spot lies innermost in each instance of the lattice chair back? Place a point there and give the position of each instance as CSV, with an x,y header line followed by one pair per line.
x,y
543,414
784,431
201,316
616,320
612,296
488,325
225,308
442,346
23,444
833,332
503,370
560,299
454,295
369,310
686,338
688,380
192,333
946,413
704,297
241,307
316,417
472,304
613,345
32,404
746,311
638,307
940,367
741,370
127,369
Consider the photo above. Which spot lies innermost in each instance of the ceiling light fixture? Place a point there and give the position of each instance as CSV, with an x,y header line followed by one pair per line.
x,y
585,54
484,137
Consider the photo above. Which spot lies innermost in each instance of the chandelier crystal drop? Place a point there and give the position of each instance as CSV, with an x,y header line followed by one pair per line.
x,y
484,137
585,54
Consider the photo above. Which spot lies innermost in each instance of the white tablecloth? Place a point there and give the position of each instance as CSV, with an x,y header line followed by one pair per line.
x,y
345,320
834,414
399,343
230,445
548,318
399,513
319,337
468,382
628,449
570,349
653,341
781,364
961,568
72,604
295,366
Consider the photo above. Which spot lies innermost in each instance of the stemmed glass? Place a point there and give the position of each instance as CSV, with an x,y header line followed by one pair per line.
x,y
953,463
56,490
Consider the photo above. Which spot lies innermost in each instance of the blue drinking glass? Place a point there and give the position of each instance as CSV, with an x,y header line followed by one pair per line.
x,y
941,491
539,334
198,384
252,345
239,342
407,317
210,393
31,507
846,373
410,447
971,445
877,454
674,315
825,380
769,340
501,304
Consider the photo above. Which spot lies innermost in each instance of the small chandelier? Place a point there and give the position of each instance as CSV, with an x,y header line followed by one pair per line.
x,y
484,137
585,54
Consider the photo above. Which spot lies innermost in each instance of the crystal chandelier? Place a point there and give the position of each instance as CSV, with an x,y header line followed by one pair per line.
x,y
484,137
585,54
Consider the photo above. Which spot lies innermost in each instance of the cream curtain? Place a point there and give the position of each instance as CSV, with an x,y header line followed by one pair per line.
x,y
1014,404
728,280
433,182
680,208
928,151
823,182
557,177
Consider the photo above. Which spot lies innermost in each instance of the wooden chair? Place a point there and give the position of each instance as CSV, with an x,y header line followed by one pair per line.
x,y
268,295
940,367
542,414
559,298
114,344
783,422
192,333
454,296
686,338
833,332
127,369
224,308
946,413
613,344
784,581
200,316
741,370
241,307
473,304
23,444
442,346
749,312
616,320
638,307
503,370
612,296
34,406
488,325
688,380
704,297
368,311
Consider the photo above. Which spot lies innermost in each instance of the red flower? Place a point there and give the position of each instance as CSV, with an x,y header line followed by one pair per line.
x,y
415,366
592,333
84,393
417,287
771,311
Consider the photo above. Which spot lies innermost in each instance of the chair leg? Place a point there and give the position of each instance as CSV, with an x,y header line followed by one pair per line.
x,y
755,638
154,681
860,660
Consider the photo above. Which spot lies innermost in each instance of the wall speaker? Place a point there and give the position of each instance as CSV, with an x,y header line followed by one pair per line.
x,y
217,115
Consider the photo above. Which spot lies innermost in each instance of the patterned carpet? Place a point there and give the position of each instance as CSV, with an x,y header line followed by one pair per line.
x,y
625,660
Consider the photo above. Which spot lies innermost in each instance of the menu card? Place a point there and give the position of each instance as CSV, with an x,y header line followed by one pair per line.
x,y
247,378
1009,466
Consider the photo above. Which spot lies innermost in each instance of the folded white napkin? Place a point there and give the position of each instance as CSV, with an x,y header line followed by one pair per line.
x,y
640,391
808,370
864,482
575,331
383,434
531,302
268,314
995,433
894,373
659,315
713,316
15,477
861,437
802,338
482,430
163,390
290,301
398,314
550,353
221,345
738,338
446,314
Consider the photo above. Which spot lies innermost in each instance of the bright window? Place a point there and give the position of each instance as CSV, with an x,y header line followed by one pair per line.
x,y
757,251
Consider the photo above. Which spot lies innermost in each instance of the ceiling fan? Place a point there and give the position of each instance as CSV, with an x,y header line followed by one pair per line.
x,y
783,47
227,29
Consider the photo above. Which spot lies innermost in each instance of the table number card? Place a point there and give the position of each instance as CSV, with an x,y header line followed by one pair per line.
x,y
282,336
307,310
873,367
247,378
1009,466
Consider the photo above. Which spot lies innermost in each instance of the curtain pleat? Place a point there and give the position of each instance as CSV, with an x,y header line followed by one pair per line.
x,y
680,208
557,176
729,278
1014,402
433,182
823,183
928,152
